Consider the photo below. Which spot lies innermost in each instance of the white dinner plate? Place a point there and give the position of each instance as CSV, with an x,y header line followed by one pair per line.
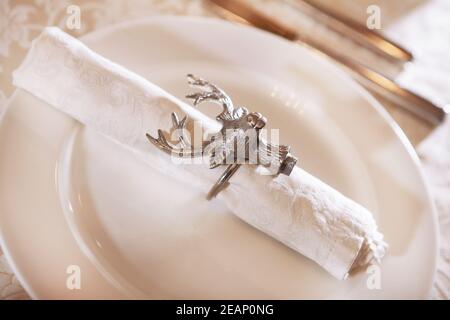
x,y
72,200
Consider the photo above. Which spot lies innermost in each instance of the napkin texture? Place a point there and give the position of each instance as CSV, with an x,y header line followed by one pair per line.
x,y
298,210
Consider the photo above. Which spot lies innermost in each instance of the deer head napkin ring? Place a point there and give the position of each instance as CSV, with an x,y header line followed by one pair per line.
x,y
238,142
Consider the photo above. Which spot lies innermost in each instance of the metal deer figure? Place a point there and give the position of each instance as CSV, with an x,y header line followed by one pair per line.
x,y
238,141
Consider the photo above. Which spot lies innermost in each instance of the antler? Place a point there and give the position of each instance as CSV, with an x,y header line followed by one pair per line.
x,y
211,92
182,148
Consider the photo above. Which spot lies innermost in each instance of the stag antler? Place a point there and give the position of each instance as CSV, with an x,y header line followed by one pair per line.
x,y
183,147
211,92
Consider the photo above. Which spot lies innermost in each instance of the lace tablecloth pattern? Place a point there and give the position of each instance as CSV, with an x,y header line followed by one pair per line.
x,y
421,25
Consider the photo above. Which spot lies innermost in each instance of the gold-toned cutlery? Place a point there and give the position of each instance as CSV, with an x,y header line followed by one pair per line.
x,y
241,12
352,29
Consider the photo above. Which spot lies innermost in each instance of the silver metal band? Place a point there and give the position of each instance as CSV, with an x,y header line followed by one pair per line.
x,y
222,182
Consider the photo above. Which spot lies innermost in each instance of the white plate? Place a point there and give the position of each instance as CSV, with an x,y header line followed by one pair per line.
x,y
69,196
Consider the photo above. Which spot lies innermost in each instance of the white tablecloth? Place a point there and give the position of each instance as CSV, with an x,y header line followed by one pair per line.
x,y
423,26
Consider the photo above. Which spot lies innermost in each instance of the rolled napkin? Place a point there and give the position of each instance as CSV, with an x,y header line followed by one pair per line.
x,y
298,210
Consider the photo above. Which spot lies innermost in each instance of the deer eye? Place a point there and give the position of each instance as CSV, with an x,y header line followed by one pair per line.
x,y
251,120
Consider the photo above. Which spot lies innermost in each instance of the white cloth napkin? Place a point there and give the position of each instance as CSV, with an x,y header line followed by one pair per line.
x,y
298,210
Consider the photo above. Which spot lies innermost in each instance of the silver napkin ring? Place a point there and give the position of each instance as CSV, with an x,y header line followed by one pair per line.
x,y
222,183
238,142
